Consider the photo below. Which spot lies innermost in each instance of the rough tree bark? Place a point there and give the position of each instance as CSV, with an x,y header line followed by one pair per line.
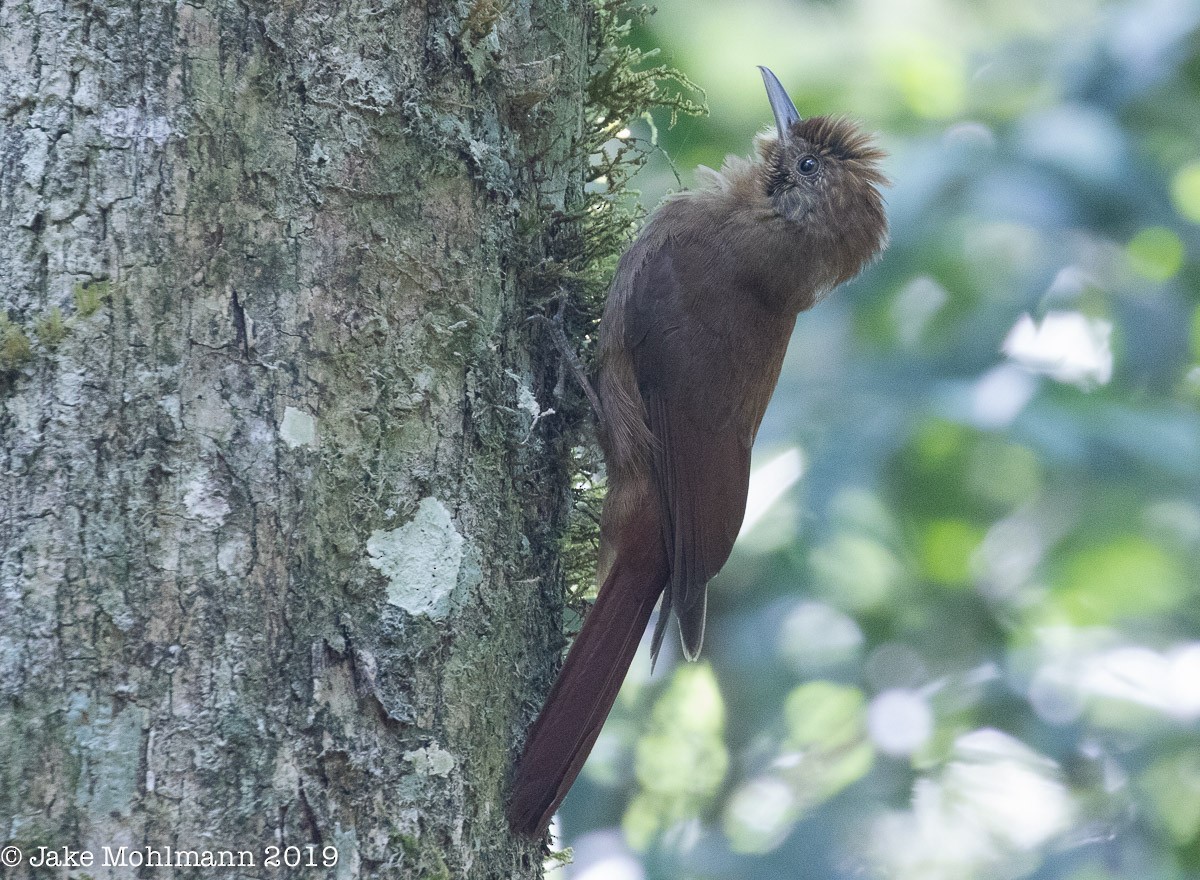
x,y
277,529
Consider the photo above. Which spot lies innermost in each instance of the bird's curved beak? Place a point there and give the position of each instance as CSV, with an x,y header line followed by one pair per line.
x,y
781,105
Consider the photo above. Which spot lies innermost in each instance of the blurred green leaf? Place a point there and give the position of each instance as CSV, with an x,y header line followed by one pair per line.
x,y
1185,191
1004,474
930,76
1126,577
946,549
1156,253
855,571
1172,785
681,759
824,714
825,750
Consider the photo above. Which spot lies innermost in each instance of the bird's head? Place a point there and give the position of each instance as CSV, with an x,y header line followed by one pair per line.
x,y
823,174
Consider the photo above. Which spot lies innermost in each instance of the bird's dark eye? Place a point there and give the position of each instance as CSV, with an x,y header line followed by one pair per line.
x,y
808,166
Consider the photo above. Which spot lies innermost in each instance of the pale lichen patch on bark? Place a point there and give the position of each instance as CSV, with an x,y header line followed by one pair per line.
x,y
431,760
298,428
421,560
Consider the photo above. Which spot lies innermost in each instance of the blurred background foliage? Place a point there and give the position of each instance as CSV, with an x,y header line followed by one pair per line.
x,y
960,635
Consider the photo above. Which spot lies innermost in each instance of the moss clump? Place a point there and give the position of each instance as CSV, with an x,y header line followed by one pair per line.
x,y
561,857
15,350
581,544
584,244
90,296
50,328
481,19
622,88
579,246
421,859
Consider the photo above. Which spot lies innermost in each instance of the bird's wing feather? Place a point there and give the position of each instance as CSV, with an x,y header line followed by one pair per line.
x,y
701,458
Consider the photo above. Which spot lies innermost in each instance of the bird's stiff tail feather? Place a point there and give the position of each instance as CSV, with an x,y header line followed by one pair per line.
x,y
564,732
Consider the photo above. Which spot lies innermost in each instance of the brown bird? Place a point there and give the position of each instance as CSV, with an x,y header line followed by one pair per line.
x,y
691,343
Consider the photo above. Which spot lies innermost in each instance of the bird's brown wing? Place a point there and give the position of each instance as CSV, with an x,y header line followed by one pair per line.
x,y
701,450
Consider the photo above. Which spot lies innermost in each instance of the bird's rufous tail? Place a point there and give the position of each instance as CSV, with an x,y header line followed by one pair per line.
x,y
564,732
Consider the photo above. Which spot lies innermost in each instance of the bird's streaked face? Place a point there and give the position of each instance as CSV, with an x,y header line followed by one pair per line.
x,y
826,165
823,175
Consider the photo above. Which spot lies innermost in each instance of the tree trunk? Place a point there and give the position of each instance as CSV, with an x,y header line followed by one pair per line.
x,y
278,500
